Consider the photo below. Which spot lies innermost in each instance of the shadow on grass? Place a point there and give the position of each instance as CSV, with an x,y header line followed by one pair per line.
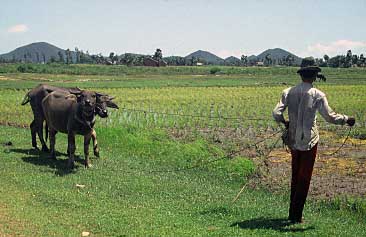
x,y
280,224
43,159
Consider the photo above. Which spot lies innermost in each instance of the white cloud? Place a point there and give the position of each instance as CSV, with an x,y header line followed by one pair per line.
x,y
336,47
18,28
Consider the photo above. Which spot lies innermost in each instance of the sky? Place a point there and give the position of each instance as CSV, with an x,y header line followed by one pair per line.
x,y
225,28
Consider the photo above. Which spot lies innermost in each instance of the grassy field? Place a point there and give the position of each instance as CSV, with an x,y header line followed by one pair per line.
x,y
39,197
131,189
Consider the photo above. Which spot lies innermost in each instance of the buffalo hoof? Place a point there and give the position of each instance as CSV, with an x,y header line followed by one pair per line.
x,y
96,153
88,165
45,149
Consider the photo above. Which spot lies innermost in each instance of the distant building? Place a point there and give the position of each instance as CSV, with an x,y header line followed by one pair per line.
x,y
109,62
150,62
260,64
199,64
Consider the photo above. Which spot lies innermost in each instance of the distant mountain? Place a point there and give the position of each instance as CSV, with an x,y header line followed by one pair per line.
x,y
205,56
41,51
278,54
252,57
232,61
35,52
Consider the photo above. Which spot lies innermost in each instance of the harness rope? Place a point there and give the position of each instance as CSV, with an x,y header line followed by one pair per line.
x,y
271,149
341,146
266,164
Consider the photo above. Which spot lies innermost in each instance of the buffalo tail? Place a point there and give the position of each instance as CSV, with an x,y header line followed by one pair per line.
x,y
46,130
26,99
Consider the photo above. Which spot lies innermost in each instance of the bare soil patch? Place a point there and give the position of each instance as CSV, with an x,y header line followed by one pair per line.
x,y
343,173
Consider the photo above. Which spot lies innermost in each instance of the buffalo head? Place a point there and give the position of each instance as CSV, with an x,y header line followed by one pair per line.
x,y
87,101
104,101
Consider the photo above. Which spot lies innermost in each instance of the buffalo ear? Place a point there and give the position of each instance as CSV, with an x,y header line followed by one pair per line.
x,y
75,91
111,104
103,98
99,94
111,97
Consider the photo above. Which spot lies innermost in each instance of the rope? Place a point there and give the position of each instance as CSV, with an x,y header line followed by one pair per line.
x,y
201,116
266,164
195,116
341,146
271,149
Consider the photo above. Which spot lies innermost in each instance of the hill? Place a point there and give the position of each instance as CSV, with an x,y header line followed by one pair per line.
x,y
232,61
206,57
43,52
35,52
278,54
252,57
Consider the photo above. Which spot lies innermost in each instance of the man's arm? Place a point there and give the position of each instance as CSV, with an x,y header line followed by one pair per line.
x,y
329,115
280,108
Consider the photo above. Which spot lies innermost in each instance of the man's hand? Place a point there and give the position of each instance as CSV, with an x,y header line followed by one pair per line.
x,y
287,124
351,121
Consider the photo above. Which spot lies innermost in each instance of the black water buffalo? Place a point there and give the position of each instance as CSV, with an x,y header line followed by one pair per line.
x,y
71,114
37,94
35,97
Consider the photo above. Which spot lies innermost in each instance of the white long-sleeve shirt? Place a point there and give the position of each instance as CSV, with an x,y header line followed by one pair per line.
x,y
303,101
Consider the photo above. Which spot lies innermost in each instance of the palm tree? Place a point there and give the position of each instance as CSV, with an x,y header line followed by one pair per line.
x,y
68,56
326,58
349,58
244,60
289,60
111,56
268,60
158,55
362,60
61,57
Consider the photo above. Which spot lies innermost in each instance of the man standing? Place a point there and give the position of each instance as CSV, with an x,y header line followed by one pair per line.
x,y
303,101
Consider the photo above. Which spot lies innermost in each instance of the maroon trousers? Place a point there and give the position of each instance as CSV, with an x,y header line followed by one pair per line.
x,y
302,169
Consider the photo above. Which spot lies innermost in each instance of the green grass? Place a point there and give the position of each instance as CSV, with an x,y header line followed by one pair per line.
x,y
99,76
122,197
238,102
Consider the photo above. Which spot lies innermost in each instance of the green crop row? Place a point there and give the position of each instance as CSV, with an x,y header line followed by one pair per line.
x,y
92,69
201,107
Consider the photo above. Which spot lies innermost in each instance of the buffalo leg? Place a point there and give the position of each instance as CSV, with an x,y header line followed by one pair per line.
x,y
34,134
39,125
71,148
86,149
95,143
52,143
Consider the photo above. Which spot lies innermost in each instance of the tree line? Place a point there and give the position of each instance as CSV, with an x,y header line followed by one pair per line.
x,y
130,59
345,61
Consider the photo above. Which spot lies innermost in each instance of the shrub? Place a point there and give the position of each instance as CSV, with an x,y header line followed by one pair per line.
x,y
215,70
25,68
21,68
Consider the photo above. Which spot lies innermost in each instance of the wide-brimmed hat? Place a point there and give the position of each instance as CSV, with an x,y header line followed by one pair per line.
x,y
308,64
